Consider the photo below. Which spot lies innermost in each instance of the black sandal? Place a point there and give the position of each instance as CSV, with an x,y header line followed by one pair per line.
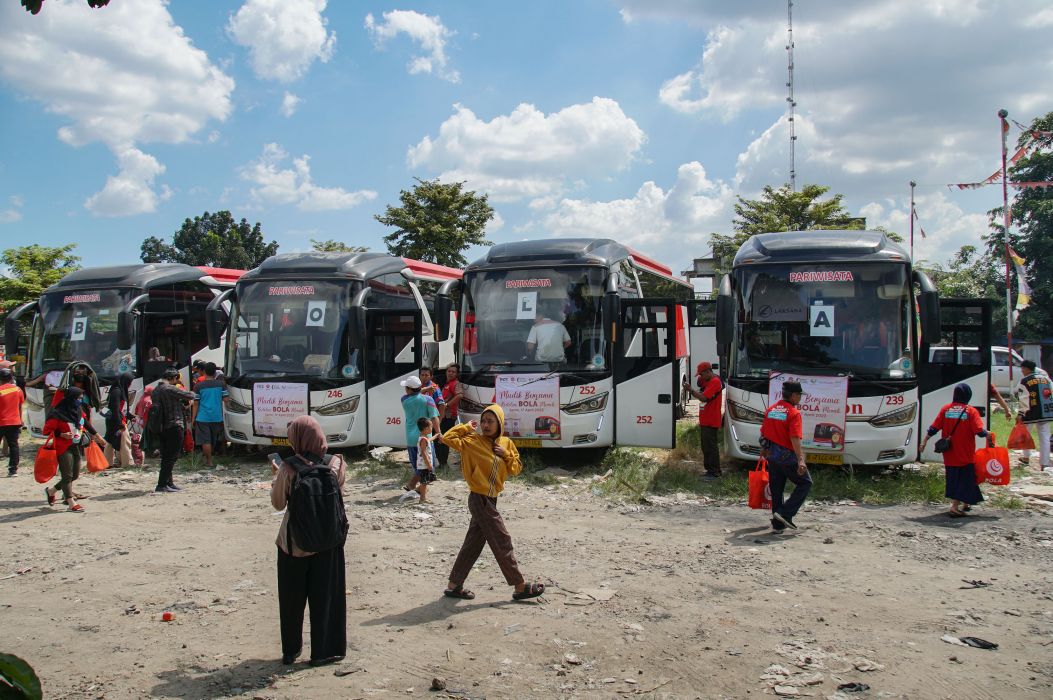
x,y
531,590
459,592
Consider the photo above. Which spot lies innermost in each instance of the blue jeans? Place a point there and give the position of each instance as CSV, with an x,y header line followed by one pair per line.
x,y
782,467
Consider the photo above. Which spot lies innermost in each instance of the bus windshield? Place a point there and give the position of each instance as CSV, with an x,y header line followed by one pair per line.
x,y
292,328
81,325
534,320
839,318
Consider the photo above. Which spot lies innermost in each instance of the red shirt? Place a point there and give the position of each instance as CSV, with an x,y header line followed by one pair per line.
x,y
782,422
11,400
963,442
711,413
448,392
54,426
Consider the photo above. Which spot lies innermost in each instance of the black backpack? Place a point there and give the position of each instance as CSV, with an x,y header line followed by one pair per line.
x,y
316,507
155,419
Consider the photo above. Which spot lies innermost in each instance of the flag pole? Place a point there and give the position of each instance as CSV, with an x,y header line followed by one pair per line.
x,y
912,186
1002,114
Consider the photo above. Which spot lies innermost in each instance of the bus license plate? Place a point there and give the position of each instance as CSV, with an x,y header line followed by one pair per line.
x,y
283,441
526,442
824,458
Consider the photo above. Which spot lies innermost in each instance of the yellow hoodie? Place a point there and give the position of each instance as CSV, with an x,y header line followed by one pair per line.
x,y
484,471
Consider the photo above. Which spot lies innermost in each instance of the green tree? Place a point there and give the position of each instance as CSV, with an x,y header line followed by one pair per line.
x,y
781,210
331,246
966,274
1030,235
34,6
437,222
31,270
215,240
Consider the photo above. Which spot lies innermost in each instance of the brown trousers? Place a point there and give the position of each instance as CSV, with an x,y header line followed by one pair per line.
x,y
486,527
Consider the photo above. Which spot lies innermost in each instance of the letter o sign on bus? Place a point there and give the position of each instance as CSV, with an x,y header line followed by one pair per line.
x,y
315,313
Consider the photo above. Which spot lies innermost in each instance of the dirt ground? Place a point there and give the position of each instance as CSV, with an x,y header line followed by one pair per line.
x,y
679,598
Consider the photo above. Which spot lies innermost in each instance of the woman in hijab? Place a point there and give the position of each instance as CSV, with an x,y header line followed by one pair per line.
x,y
142,420
120,412
66,424
959,423
308,578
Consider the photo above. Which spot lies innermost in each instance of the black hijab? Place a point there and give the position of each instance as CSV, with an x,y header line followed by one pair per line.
x,y
69,408
962,393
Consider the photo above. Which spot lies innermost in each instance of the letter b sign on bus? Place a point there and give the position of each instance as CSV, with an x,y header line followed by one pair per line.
x,y
79,329
821,320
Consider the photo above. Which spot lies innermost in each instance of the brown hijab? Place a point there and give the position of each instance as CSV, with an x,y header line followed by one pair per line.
x,y
307,439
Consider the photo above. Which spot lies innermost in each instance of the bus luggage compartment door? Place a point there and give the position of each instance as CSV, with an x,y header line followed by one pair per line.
x,y
646,373
393,353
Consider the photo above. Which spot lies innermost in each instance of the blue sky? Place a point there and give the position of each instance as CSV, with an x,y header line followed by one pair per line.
x,y
640,120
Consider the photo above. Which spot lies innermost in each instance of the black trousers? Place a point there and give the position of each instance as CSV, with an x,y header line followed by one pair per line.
x,y
171,448
710,449
10,433
442,451
318,581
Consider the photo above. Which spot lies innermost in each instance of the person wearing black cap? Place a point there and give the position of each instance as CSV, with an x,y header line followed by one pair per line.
x,y
11,400
170,400
1035,397
781,434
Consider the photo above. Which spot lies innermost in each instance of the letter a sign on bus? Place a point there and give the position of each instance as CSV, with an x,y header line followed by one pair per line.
x,y
821,320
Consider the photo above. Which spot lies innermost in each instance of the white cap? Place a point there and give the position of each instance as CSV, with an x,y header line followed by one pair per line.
x,y
411,383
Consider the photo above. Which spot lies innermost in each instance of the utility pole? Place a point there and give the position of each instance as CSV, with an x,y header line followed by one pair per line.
x,y
789,99
1004,125
912,186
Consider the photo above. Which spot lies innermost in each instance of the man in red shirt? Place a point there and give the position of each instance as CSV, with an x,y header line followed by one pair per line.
x,y
11,399
710,415
781,434
451,393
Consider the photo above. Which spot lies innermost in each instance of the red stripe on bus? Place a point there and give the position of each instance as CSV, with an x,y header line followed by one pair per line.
x,y
427,269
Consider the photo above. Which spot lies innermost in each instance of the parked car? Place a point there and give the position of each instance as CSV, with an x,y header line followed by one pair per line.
x,y
971,356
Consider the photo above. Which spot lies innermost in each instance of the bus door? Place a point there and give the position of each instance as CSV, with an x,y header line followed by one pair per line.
x,y
963,355
646,374
393,353
702,321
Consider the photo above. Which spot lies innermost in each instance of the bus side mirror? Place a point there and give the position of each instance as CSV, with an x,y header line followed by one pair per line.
x,y
11,327
125,329
725,328
357,319
929,309
443,310
217,319
610,313
430,357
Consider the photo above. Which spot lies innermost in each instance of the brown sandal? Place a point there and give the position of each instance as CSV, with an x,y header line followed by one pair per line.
x,y
459,592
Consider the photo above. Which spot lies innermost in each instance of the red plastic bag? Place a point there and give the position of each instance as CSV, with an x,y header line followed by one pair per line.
x,y
188,442
992,464
95,458
760,491
1020,438
46,465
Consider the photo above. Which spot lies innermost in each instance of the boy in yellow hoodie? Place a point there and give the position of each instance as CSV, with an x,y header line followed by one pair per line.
x,y
487,459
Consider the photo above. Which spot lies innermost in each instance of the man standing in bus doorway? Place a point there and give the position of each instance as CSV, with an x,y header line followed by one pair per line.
x,y
1035,397
710,415
11,400
548,339
781,434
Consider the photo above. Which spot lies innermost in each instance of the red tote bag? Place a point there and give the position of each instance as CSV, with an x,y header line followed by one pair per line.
x,y
95,458
760,491
992,465
1020,438
45,467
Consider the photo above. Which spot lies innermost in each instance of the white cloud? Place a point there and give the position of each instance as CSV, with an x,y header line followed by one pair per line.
x,y
277,185
131,191
425,30
14,212
528,154
290,103
283,36
123,76
660,221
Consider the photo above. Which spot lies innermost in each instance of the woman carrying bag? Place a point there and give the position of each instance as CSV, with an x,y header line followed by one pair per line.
x,y
118,442
66,425
959,424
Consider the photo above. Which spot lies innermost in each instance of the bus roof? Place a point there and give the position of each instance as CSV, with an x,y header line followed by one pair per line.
x,y
223,275
360,266
566,251
141,276
820,246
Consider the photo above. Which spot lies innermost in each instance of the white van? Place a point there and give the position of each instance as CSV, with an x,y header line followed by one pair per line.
x,y
970,356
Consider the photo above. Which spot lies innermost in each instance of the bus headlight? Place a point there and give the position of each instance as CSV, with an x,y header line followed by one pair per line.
x,y
235,407
469,406
744,414
337,409
589,405
903,416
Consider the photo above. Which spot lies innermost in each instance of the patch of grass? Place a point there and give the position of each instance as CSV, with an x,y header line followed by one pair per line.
x,y
533,465
632,472
1005,500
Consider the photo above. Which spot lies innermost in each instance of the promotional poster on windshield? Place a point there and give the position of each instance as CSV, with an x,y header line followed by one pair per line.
x,y
824,407
275,405
531,405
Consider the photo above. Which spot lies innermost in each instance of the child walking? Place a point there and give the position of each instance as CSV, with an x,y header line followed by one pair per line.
x,y
424,470
487,459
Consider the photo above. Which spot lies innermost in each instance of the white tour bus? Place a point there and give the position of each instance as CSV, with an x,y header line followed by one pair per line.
x,y
845,304
139,318
585,338
332,335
